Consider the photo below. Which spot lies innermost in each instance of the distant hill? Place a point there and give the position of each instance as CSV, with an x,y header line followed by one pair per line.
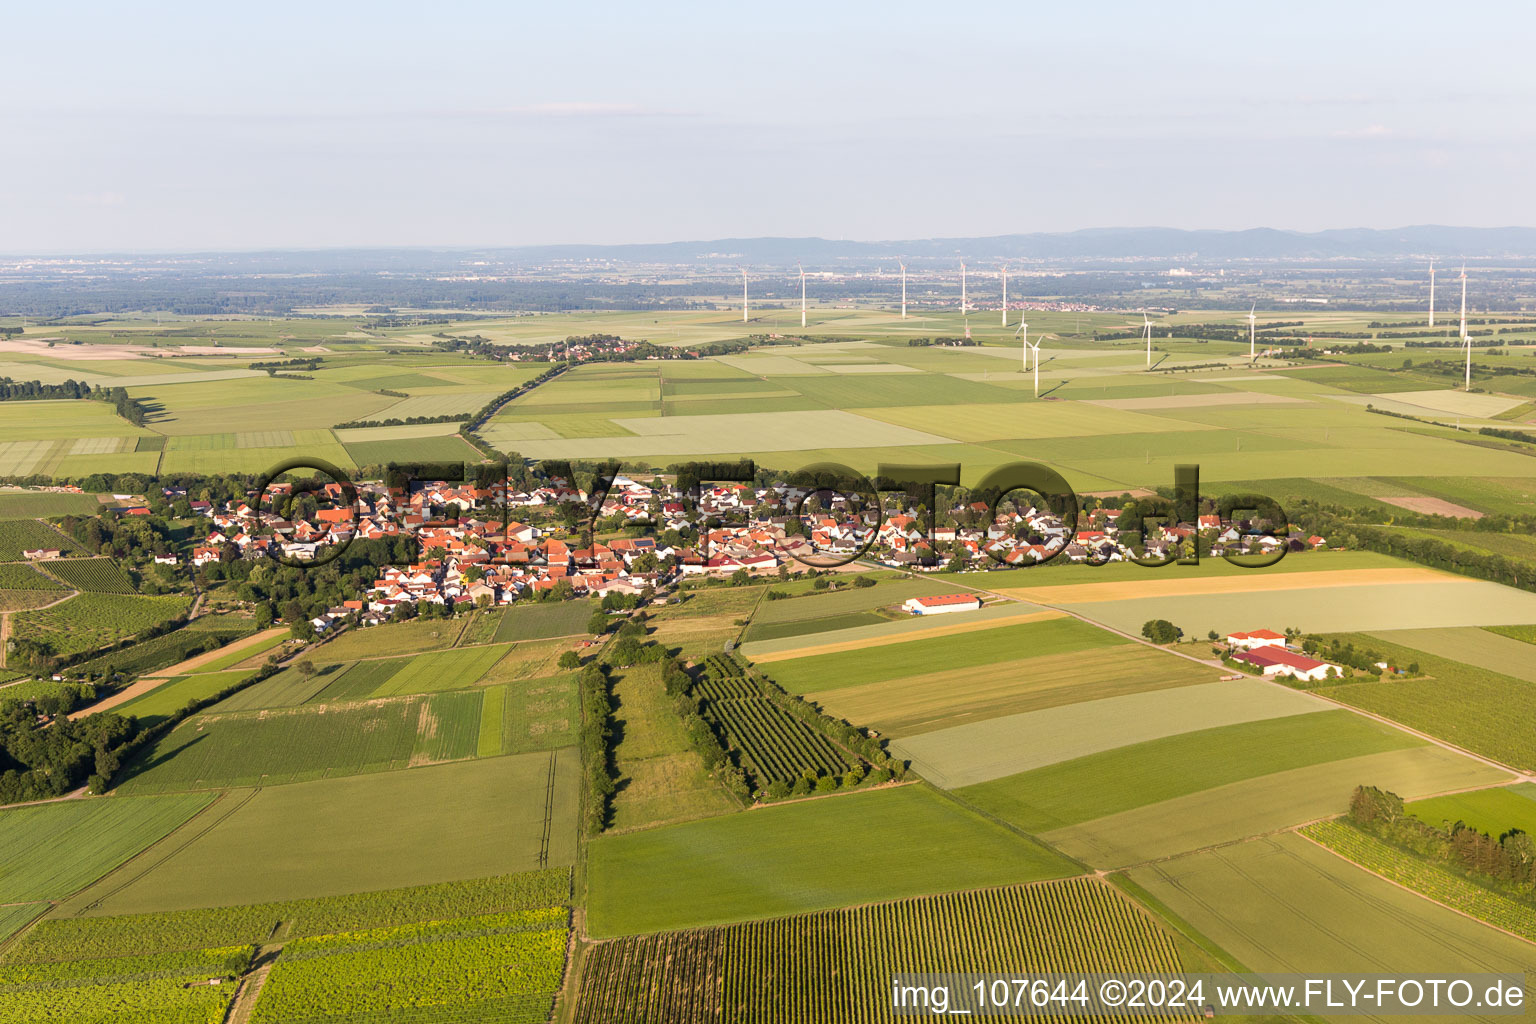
x,y
1445,243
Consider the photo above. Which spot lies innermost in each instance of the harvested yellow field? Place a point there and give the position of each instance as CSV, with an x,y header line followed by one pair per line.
x,y
897,638
1258,580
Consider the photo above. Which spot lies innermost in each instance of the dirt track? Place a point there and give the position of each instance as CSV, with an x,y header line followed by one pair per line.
x,y
151,682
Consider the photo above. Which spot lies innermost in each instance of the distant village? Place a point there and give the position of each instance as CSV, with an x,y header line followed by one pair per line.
x,y
489,546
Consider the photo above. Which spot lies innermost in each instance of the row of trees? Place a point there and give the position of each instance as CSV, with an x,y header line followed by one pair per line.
x,y
1346,526
1509,860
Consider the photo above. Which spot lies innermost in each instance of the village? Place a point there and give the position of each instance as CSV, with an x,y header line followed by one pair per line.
x,y
490,546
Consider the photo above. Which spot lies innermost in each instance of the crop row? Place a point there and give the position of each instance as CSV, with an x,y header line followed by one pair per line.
x,y
834,967
723,666
20,576
537,919
1425,877
423,974
195,963
519,1009
158,1001
716,689
88,621
18,535
671,978
779,747
96,575
81,937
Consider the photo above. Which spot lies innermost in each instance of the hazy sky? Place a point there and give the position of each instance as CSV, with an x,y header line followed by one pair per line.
x,y
211,125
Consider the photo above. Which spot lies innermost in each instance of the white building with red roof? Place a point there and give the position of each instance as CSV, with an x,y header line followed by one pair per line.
x,y
939,604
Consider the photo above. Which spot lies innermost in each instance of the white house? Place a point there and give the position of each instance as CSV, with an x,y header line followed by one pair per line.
x,y
1273,662
1255,639
939,604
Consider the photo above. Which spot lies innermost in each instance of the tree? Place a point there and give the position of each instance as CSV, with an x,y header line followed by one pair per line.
x,y
1161,631
597,625
863,581
570,660
306,668
820,583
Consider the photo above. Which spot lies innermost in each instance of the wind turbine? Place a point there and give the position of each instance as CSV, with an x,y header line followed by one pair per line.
x,y
743,294
1005,295
1036,347
1024,329
1146,328
903,289
1431,293
963,304
1252,354
1466,339
802,295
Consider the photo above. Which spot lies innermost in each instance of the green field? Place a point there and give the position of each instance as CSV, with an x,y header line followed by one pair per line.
x,y
17,916
443,823
661,778
1493,811
1123,778
408,637
175,693
923,703
543,621
963,755
49,851
24,505
1492,714
446,670
849,599
288,688
826,672
1469,646
301,745
1265,804
807,855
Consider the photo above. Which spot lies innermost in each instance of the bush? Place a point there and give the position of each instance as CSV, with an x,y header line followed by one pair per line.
x,y
570,660
1161,631
863,581
827,784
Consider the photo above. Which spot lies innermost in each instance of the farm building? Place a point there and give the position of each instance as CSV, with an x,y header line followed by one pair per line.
x,y
938,604
1277,661
1257,638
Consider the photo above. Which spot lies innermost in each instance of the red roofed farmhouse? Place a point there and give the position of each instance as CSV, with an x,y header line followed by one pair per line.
x,y
1274,661
938,604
